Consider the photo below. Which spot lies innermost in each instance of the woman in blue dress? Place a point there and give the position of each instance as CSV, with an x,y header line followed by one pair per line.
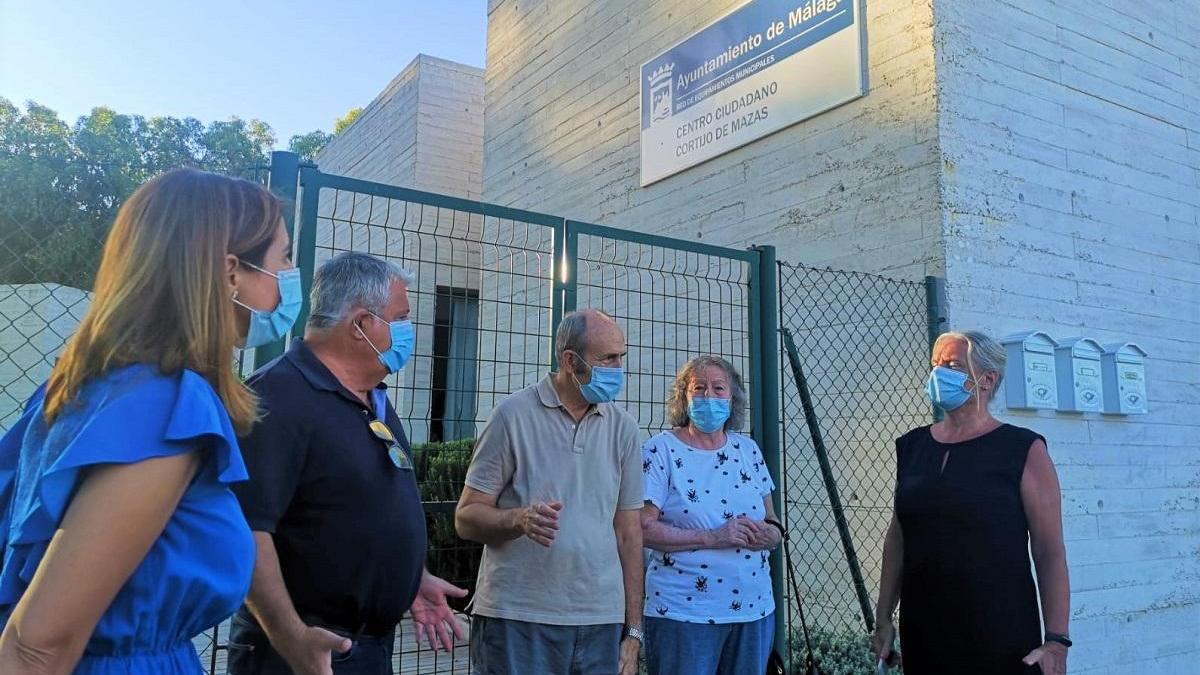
x,y
121,540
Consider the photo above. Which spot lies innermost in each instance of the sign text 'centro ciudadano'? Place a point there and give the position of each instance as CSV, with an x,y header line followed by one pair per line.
x,y
763,67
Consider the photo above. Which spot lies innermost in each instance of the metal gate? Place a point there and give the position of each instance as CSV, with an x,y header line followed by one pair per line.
x,y
856,350
492,284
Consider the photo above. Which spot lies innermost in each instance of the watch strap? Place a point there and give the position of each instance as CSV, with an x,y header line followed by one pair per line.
x,y
635,633
1061,639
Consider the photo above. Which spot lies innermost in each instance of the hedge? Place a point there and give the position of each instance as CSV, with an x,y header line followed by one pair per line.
x,y
440,470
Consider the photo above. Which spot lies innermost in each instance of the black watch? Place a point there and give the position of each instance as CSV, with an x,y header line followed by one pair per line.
x,y
1059,638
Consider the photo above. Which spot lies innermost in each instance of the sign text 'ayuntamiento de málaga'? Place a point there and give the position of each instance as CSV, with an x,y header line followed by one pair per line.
x,y
763,67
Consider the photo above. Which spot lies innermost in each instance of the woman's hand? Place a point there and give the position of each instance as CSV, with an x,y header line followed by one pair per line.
x,y
766,536
882,640
1051,657
735,533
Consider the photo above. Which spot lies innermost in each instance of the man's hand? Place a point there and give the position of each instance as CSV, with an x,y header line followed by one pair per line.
x,y
539,522
309,650
629,656
432,616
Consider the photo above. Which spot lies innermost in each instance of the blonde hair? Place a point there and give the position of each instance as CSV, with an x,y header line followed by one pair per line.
x,y
677,399
984,354
162,295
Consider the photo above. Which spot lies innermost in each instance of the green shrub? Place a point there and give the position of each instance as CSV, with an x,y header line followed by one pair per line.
x,y
838,652
441,469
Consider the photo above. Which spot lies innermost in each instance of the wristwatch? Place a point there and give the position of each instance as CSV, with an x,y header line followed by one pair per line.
x,y
1061,639
635,633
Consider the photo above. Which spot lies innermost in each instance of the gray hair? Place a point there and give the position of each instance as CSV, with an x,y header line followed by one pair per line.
x,y
572,332
349,280
984,354
677,399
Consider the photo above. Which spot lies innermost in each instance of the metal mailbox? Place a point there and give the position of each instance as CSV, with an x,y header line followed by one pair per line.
x,y
1124,367
1030,376
1080,385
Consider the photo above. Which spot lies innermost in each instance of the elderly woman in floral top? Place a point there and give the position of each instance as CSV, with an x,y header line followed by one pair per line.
x,y
709,524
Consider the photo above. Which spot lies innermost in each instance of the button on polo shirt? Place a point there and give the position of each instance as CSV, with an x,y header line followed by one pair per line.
x,y
532,450
347,523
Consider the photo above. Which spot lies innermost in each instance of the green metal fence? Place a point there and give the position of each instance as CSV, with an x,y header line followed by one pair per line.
x,y
493,283
856,353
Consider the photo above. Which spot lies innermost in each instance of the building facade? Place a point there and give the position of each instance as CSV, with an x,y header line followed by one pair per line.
x,y
1042,158
424,131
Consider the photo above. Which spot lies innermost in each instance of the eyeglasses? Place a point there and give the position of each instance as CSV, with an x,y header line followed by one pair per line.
x,y
395,452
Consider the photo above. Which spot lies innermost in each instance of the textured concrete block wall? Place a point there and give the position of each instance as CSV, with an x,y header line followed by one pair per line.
x,y
1070,139
423,131
853,188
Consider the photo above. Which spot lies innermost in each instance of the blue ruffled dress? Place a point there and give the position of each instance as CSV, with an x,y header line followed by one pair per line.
x,y
198,571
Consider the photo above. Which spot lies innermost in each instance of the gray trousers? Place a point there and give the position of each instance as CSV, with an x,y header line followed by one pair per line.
x,y
508,647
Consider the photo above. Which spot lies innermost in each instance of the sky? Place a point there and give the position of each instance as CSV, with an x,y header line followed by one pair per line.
x,y
296,65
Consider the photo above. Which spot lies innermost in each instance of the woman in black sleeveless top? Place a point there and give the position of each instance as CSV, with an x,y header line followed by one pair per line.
x,y
973,498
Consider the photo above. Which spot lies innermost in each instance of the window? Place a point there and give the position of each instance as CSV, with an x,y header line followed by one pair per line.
x,y
455,364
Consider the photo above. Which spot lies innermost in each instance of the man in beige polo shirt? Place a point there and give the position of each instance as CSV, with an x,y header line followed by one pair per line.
x,y
554,493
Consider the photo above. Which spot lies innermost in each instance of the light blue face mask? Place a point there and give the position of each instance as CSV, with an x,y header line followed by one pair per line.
x,y
947,388
404,338
708,414
268,327
605,385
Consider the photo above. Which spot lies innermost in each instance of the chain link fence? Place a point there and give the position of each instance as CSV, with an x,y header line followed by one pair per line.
x,y
47,270
855,355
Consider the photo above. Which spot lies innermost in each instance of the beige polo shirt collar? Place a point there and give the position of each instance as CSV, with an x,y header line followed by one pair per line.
x,y
548,395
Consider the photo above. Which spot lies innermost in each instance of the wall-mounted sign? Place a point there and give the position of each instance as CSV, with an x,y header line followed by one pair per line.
x,y
763,67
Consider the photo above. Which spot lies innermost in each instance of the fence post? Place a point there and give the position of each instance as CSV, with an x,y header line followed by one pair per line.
x,y
562,283
281,181
562,272
306,234
765,332
935,313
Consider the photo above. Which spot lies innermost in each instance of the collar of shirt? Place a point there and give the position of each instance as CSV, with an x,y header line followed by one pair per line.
x,y
320,377
548,395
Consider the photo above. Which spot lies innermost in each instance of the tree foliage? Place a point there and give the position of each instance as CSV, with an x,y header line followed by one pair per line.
x,y
309,145
346,120
61,185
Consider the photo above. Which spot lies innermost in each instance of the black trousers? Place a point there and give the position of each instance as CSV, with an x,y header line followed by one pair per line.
x,y
251,653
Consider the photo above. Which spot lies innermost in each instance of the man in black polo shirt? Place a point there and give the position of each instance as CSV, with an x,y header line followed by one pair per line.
x,y
331,498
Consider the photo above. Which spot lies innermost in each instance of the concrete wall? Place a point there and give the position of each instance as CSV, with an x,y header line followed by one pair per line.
x,y
423,131
853,188
1071,177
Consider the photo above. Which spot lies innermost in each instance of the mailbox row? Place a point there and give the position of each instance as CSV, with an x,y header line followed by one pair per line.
x,y
1074,375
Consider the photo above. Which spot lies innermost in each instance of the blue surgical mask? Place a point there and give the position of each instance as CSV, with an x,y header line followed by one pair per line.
x,y
708,414
403,336
605,385
268,327
947,388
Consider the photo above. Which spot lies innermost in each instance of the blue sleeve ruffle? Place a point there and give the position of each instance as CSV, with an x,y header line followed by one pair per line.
x,y
127,416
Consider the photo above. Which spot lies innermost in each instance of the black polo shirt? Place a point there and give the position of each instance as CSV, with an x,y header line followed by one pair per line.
x,y
347,523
